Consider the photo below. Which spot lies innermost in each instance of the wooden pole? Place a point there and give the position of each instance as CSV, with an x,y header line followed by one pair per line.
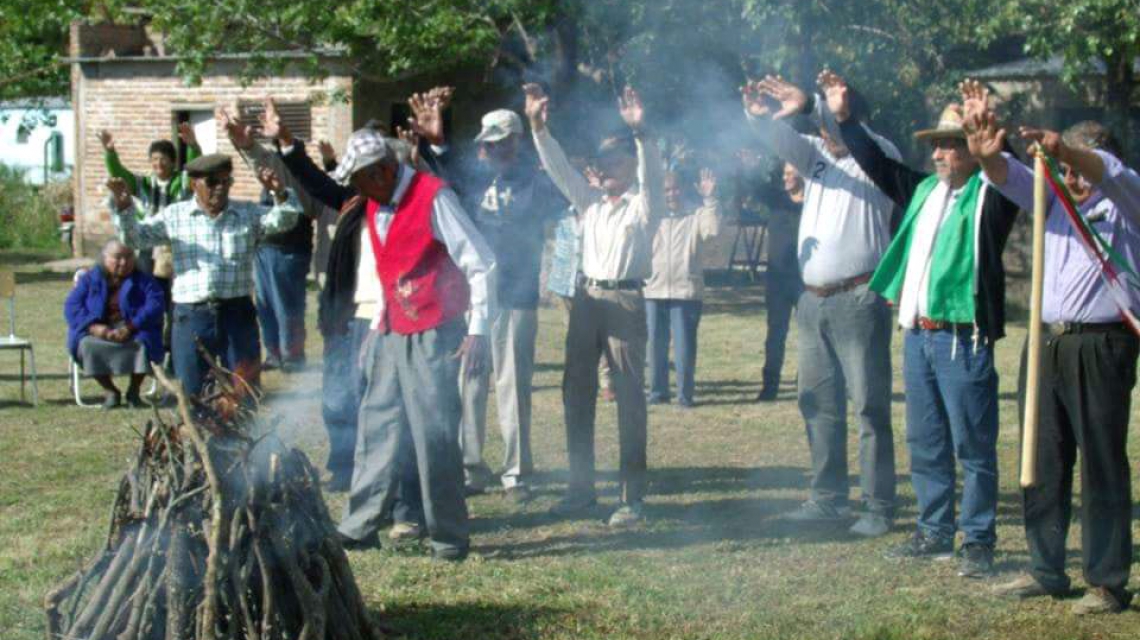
x,y
1033,362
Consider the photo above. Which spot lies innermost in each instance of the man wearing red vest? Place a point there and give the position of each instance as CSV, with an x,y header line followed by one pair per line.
x,y
433,267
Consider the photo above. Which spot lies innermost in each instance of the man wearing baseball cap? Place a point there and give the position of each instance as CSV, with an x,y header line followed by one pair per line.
x,y
943,271
511,207
433,267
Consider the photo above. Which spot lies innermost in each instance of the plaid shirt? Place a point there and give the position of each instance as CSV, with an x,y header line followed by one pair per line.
x,y
213,257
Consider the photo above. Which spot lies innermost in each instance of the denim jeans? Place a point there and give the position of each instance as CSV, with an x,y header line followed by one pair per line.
x,y
681,319
227,329
844,354
280,283
952,413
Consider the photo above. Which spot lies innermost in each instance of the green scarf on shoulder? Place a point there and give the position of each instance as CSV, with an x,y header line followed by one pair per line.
x,y
952,270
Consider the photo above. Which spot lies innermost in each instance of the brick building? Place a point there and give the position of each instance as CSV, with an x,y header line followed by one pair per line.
x,y
123,80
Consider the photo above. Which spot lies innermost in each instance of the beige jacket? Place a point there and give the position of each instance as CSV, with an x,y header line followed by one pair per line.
x,y
678,270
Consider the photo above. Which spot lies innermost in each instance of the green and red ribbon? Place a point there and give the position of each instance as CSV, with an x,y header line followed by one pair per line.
x,y
1114,269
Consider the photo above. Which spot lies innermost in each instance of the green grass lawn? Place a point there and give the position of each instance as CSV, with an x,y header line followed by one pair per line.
x,y
712,562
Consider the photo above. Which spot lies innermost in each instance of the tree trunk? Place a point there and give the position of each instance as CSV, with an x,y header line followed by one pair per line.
x,y
1120,82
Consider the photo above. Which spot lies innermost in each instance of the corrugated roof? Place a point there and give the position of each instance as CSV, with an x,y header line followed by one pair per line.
x,y
327,53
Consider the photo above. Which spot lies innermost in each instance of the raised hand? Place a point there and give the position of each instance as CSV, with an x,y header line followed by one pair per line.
x,y
120,193
983,135
835,91
107,140
707,185
1044,140
537,107
975,97
271,124
412,139
271,181
792,99
187,135
632,111
753,98
328,154
427,114
241,136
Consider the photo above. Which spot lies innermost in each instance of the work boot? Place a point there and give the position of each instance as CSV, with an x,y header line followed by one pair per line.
x,y
1098,600
975,560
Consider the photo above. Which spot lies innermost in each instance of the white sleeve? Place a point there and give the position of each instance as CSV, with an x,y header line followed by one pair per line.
x,y
787,143
451,225
569,181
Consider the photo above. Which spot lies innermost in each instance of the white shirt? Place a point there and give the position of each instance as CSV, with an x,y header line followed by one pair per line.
x,y
916,282
617,233
845,225
451,226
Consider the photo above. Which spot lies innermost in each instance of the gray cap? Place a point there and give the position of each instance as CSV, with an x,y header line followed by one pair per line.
x,y
500,125
209,165
365,148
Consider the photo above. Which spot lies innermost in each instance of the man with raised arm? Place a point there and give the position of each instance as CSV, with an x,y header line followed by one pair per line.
x,y
1088,364
943,271
214,241
608,314
844,328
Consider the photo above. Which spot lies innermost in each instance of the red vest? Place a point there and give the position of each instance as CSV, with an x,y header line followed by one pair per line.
x,y
423,288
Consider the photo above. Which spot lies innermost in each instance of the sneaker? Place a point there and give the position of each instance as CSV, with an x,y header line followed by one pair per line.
x,y
1022,588
112,399
812,511
975,560
404,531
519,494
573,505
871,525
371,541
923,545
1098,600
626,516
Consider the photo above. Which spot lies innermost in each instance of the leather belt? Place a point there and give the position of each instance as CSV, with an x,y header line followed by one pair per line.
x,y
1066,328
927,324
838,287
217,303
614,285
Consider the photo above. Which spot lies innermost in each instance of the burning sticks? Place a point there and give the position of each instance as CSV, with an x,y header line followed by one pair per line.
x,y
218,531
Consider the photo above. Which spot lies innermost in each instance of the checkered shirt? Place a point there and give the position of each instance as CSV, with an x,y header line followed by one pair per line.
x,y
213,257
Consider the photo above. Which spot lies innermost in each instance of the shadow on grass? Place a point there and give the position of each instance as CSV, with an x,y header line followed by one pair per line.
x,y
470,620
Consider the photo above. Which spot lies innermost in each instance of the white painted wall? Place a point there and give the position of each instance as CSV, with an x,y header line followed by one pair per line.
x,y
29,156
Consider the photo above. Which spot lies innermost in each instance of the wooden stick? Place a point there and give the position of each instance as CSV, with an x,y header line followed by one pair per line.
x,y
1033,362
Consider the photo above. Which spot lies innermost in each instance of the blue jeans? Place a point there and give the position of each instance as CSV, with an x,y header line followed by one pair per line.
x,y
681,319
227,329
279,278
952,412
341,390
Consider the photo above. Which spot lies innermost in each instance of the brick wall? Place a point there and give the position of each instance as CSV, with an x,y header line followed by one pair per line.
x,y
137,99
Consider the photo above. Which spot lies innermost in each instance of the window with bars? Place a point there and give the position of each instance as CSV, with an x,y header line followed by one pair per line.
x,y
297,116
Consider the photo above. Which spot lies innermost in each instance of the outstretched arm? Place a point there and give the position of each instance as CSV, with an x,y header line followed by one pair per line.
x,y
572,184
778,136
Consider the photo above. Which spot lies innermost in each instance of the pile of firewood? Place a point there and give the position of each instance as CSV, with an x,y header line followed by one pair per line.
x,y
219,530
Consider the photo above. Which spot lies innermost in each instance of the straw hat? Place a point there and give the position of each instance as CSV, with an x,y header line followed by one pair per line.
x,y
949,125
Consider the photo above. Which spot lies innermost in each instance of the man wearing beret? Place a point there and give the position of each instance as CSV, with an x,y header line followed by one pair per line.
x,y
214,242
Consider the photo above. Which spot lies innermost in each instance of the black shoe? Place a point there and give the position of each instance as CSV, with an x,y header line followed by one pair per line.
x,y
450,555
767,394
133,400
112,399
923,545
371,541
975,560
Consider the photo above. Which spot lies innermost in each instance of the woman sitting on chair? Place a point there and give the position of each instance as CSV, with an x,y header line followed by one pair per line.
x,y
114,323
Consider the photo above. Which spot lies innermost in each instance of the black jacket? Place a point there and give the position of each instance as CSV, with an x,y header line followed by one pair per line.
x,y
899,182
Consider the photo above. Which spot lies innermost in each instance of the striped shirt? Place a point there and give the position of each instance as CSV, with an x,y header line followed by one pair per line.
x,y
213,257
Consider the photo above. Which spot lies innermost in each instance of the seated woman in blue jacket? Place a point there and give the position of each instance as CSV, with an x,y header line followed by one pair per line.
x,y
114,323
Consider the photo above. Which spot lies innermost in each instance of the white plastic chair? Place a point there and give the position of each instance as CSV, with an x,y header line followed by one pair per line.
x,y
11,341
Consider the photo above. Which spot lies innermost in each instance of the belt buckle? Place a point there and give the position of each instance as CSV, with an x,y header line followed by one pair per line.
x,y
1058,328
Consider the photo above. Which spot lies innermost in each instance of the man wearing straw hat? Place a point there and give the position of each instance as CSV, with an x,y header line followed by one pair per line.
x,y
943,272
1088,362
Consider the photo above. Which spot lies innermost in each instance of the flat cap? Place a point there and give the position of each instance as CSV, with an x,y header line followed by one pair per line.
x,y
209,165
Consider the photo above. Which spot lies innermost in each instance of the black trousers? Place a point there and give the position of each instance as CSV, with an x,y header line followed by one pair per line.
x,y
1086,389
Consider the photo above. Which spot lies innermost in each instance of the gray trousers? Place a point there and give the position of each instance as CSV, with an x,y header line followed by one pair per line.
x,y
410,395
513,332
844,354
610,323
